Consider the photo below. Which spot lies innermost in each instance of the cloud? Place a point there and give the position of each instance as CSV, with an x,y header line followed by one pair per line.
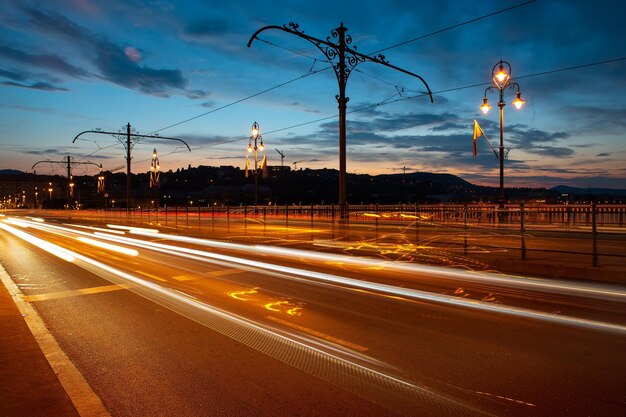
x,y
41,61
12,75
35,86
115,63
550,151
206,30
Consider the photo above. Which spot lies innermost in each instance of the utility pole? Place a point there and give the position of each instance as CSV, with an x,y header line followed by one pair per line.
x,y
343,60
68,161
126,141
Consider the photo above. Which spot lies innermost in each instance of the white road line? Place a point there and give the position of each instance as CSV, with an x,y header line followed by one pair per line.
x,y
87,403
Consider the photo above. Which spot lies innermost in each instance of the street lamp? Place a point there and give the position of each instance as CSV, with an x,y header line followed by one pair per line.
x,y
50,191
257,139
501,76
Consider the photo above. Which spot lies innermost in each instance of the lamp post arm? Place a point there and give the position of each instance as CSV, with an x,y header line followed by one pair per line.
x,y
161,137
95,131
132,135
41,162
380,59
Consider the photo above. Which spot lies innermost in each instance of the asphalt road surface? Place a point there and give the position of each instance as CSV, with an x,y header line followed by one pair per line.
x,y
163,325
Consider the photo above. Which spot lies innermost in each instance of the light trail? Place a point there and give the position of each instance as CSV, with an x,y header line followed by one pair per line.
x,y
98,229
108,246
48,247
132,229
556,286
292,273
279,344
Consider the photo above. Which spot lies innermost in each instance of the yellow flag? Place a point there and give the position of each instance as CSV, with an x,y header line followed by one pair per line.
x,y
247,169
478,132
263,167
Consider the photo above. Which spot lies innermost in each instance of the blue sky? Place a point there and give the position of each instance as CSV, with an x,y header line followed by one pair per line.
x,y
74,65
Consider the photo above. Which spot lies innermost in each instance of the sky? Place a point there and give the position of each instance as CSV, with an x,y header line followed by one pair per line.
x,y
183,69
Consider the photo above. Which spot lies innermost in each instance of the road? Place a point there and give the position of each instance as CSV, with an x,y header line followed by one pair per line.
x,y
189,327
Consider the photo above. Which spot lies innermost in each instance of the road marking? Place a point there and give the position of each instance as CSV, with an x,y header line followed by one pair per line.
x,y
321,335
215,273
488,394
74,293
151,276
87,403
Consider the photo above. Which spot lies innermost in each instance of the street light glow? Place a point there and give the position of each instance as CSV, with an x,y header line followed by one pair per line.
x,y
485,106
518,102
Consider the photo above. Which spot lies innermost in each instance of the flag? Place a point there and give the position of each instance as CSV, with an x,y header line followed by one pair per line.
x,y
263,167
247,169
478,132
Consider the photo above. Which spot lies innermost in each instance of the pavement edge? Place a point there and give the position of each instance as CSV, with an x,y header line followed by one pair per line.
x,y
86,401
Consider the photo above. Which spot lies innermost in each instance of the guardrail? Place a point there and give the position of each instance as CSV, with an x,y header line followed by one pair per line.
x,y
593,230
510,214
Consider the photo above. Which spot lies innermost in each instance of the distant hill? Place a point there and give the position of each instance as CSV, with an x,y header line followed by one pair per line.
x,y
564,189
10,172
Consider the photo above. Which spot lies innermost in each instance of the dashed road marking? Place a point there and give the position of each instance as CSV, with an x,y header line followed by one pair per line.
x,y
74,293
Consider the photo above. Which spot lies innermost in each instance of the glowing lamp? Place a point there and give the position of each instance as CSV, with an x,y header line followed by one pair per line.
x,y
518,102
485,106
501,77
255,129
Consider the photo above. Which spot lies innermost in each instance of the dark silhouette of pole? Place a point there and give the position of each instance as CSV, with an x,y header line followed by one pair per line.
x,y
68,162
343,59
128,144
128,171
254,138
501,76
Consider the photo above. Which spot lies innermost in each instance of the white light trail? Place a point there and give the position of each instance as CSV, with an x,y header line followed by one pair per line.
x,y
99,229
108,246
290,273
537,284
47,246
132,229
271,341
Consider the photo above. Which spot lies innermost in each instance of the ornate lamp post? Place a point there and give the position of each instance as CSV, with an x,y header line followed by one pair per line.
x,y
50,191
501,76
257,140
343,58
155,175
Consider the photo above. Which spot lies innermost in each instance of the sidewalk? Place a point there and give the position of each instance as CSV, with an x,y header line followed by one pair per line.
x,y
28,385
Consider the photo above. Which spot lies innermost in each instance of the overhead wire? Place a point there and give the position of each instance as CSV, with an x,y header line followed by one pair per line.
x,y
476,19
400,90
403,98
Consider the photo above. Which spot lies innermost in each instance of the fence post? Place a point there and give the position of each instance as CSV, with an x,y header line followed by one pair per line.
x,y
417,222
522,230
594,231
465,229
